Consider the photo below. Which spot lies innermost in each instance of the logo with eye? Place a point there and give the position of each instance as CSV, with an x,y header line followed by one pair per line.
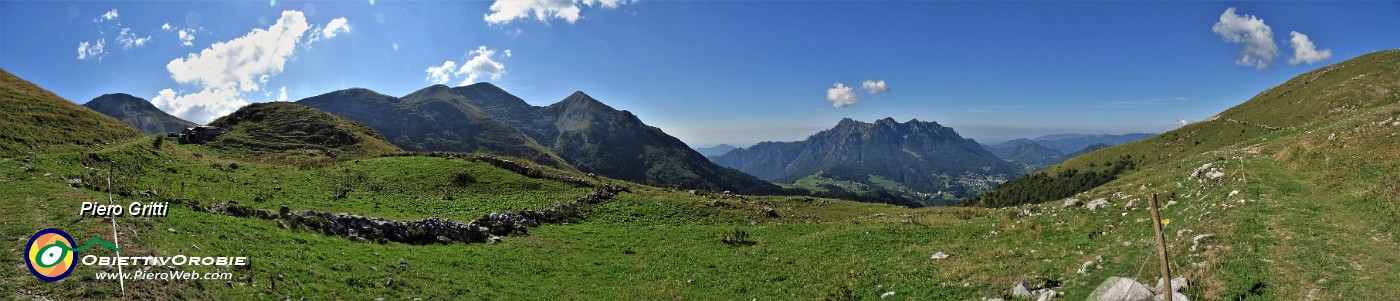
x,y
50,254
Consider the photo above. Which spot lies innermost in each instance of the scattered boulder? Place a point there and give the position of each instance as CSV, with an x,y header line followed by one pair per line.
x,y
1175,297
1178,284
886,295
1084,268
939,256
1071,202
1047,295
770,212
1096,204
1121,289
1022,290
1195,242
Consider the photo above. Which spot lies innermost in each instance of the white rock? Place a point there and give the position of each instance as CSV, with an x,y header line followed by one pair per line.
x,y
886,295
1233,193
1071,203
1096,204
1121,289
1047,295
1197,240
1084,268
1178,284
1022,290
939,256
1175,297
1198,170
1215,174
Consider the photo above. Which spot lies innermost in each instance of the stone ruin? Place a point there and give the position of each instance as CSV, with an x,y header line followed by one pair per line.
x,y
425,231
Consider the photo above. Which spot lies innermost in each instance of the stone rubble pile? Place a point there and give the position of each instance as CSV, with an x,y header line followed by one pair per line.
x,y
424,231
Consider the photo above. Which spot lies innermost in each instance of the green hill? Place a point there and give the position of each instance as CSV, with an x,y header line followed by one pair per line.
x,y
279,130
36,120
1359,85
138,113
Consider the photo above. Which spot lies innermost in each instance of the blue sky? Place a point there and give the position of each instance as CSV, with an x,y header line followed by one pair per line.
x,y
733,72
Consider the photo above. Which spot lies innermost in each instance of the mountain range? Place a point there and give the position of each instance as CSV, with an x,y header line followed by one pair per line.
x,y
931,163
1070,143
577,133
1037,153
715,151
138,113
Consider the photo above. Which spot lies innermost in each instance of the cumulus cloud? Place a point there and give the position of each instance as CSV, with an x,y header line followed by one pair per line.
x,y
282,95
1304,51
841,96
165,27
442,74
129,39
337,26
112,14
95,50
506,11
875,87
224,71
1251,32
481,64
186,36
484,62
125,36
1182,122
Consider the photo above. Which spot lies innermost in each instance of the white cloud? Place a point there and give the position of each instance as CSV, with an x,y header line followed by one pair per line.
x,y
224,71
1182,122
199,107
485,62
1305,52
187,36
506,11
1258,39
129,39
841,96
482,63
165,27
441,74
337,26
282,95
875,87
110,15
95,50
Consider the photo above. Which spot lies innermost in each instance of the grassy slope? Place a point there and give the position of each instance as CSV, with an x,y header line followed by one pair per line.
x,y
37,120
652,243
1313,218
296,132
1361,84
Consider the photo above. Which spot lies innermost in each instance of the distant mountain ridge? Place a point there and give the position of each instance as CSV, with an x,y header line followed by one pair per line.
x,y
1037,153
578,132
138,113
715,151
925,157
1070,143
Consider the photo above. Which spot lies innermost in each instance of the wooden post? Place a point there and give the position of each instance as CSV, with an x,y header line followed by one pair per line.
x,y
1162,251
